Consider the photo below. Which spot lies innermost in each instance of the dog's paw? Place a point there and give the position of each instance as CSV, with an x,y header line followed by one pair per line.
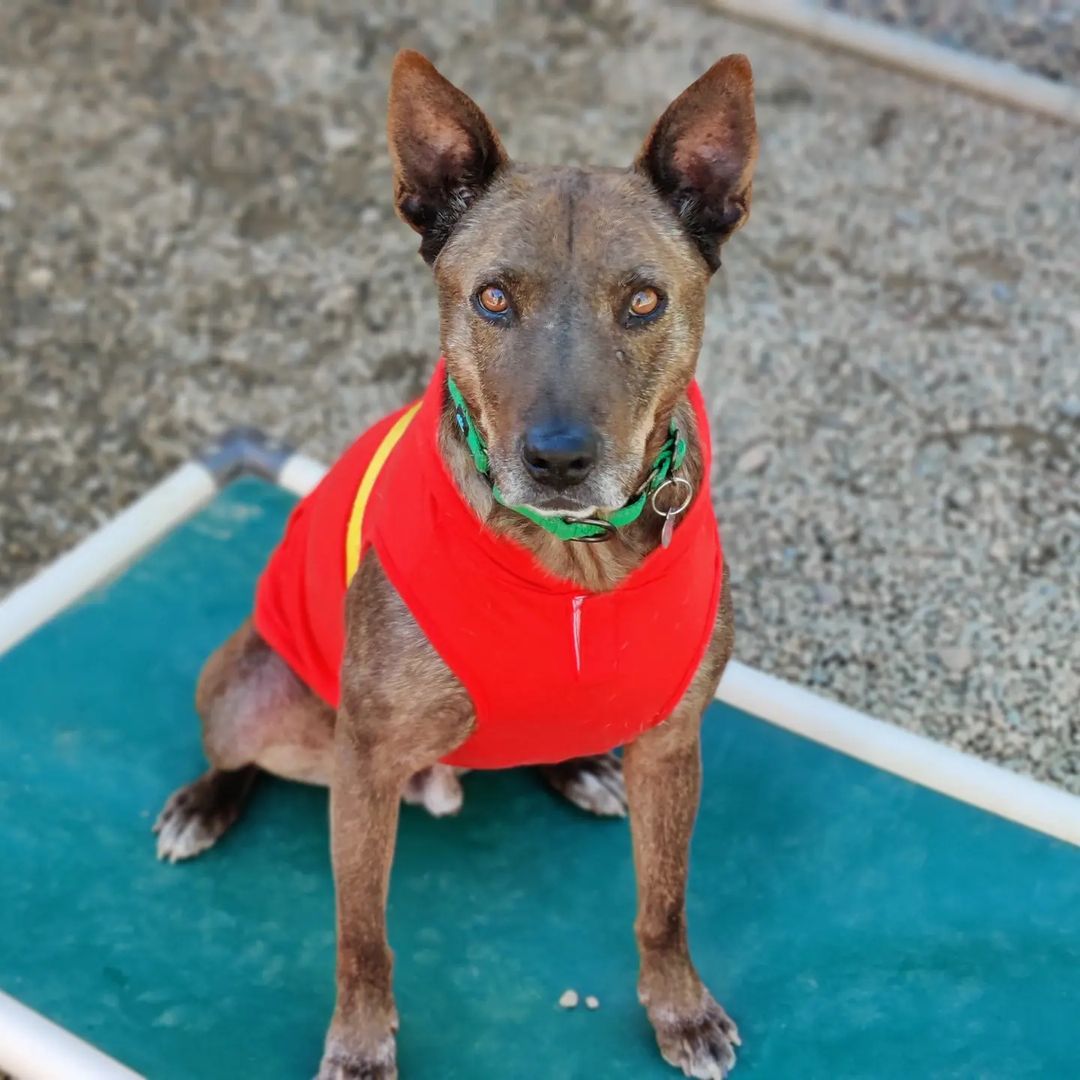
x,y
700,1043
379,1064
196,815
438,790
592,783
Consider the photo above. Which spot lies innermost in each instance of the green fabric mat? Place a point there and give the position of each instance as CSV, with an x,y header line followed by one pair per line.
x,y
854,925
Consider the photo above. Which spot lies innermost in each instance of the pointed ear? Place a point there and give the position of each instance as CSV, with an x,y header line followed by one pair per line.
x,y
443,148
700,155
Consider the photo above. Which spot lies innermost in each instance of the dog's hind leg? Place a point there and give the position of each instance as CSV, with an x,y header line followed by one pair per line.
x,y
592,783
255,714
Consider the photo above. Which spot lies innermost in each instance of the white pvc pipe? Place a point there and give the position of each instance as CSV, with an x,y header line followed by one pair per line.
x,y
993,79
104,552
300,474
886,746
33,1048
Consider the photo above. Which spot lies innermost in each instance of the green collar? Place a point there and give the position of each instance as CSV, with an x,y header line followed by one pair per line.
x,y
671,456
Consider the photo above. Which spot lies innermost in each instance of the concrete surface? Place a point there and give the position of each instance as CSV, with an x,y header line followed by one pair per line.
x,y
195,230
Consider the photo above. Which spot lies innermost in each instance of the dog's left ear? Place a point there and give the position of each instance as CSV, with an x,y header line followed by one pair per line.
x,y
444,150
700,154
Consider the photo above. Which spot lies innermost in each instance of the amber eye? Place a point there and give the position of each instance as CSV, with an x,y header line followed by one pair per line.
x,y
644,302
492,299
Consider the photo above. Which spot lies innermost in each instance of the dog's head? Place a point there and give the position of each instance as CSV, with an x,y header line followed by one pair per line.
x,y
572,300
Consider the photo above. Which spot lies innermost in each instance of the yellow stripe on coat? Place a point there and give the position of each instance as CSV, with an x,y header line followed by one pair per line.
x,y
356,519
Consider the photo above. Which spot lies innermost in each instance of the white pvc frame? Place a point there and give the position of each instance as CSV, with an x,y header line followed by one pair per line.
x,y
992,79
34,1048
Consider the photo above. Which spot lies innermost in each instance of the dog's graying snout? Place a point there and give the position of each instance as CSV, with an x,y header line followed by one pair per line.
x,y
560,453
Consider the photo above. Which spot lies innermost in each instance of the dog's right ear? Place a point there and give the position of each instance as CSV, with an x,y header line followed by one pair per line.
x,y
444,150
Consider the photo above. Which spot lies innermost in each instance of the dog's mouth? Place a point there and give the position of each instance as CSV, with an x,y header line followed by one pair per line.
x,y
607,486
561,506
605,490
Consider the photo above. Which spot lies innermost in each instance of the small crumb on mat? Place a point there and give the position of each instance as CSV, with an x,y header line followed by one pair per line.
x,y
592,1002
569,999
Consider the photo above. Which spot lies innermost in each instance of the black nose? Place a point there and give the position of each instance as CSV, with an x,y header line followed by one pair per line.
x,y
560,454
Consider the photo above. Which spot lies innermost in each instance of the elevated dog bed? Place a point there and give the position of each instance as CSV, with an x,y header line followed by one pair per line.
x,y
854,923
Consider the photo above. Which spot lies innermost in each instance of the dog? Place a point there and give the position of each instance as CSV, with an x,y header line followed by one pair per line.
x,y
446,545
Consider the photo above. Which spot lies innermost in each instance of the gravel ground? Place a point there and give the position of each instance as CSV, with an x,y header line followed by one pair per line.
x,y
1042,36
195,230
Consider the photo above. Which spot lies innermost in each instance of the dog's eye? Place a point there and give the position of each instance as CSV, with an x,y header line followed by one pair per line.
x,y
493,300
645,302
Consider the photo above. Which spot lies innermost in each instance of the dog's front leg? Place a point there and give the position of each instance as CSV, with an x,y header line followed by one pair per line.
x,y
364,799
401,711
663,781
371,769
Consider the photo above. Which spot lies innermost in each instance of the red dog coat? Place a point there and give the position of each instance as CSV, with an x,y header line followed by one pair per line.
x,y
554,672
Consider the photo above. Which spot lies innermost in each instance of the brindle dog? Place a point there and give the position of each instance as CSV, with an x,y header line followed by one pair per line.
x,y
573,392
